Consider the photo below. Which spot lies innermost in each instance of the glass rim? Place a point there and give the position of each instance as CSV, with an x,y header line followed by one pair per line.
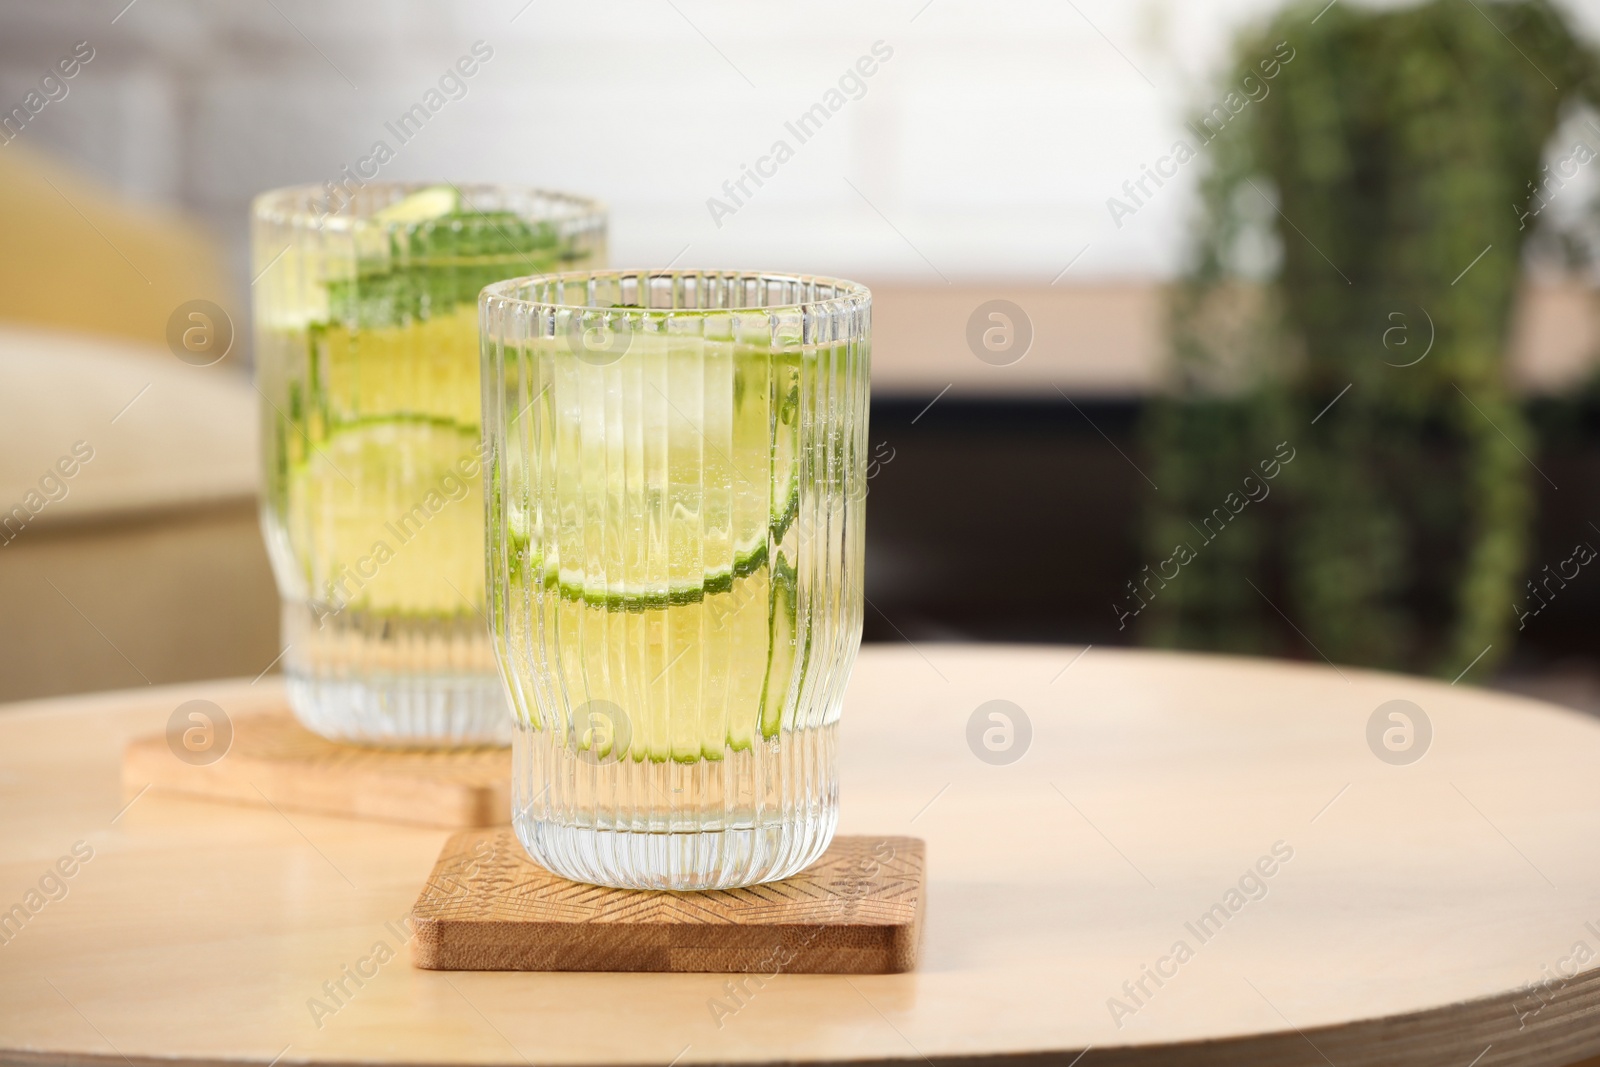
x,y
846,293
292,204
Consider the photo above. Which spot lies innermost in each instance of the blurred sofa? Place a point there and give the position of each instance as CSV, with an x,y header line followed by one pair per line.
x,y
129,546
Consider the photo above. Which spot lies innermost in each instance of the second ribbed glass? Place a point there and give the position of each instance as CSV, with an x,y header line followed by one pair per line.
x,y
674,485
367,365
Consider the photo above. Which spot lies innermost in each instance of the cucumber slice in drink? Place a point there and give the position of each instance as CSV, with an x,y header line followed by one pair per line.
x,y
387,515
651,524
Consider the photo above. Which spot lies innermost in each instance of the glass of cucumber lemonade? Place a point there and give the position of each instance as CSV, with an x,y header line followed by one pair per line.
x,y
674,479
367,364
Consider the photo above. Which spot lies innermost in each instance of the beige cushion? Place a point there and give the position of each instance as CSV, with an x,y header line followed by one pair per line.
x,y
80,257
130,549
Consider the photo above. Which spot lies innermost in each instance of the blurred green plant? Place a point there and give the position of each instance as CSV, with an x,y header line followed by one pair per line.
x,y
1360,243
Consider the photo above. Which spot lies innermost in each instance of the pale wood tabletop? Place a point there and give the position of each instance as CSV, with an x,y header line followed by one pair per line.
x,y
1195,860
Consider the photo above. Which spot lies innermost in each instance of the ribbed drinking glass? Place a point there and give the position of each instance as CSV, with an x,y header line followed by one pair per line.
x,y
367,365
675,476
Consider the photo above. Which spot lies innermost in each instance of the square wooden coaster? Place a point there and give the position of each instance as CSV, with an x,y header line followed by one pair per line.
x,y
488,907
274,760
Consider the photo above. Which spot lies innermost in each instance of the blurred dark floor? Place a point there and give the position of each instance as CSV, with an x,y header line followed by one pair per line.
x,y
1000,520
1019,521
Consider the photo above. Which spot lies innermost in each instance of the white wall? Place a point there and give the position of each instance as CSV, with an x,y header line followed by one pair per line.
x,y
984,149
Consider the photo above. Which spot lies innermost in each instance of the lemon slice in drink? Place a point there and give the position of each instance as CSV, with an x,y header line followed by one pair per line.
x,y
434,202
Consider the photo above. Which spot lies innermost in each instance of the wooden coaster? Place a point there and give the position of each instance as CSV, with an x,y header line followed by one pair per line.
x,y
274,760
488,907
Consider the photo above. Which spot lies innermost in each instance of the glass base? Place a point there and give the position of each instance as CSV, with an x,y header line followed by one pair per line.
x,y
403,711
398,683
750,817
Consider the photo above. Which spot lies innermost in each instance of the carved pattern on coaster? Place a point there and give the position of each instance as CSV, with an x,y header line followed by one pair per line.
x,y
487,905
273,756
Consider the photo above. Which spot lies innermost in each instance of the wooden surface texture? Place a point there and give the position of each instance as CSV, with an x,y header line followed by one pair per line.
x,y
487,906
273,760
1333,905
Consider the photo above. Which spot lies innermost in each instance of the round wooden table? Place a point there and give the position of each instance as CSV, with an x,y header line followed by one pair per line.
x,y
1157,858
